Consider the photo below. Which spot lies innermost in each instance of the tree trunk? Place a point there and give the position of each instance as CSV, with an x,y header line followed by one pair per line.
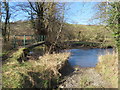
x,y
6,4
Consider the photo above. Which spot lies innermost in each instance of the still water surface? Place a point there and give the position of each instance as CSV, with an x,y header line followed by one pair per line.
x,y
86,57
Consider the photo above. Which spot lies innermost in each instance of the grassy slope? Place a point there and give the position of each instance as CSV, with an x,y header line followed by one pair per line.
x,y
21,28
33,73
91,33
88,32
94,33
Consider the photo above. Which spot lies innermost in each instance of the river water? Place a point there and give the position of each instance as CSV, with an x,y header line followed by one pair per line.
x,y
86,57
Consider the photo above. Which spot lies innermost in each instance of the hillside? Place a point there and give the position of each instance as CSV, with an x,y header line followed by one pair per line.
x,y
21,28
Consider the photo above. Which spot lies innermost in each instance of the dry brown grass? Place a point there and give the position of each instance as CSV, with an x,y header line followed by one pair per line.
x,y
52,62
108,67
39,72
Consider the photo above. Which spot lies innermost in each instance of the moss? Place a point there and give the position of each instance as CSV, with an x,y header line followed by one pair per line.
x,y
16,54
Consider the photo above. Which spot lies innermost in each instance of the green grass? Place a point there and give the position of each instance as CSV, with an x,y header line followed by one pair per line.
x,y
4,53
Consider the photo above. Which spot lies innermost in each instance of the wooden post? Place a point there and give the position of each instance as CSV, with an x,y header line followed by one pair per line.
x,y
24,42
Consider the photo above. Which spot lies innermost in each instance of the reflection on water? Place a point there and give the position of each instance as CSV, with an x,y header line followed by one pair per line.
x,y
86,57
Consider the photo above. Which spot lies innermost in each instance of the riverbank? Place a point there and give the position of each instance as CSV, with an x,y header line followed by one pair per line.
x,y
65,46
84,44
108,68
84,78
49,71
41,73
104,75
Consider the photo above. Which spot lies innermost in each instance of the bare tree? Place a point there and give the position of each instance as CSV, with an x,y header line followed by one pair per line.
x,y
6,27
47,19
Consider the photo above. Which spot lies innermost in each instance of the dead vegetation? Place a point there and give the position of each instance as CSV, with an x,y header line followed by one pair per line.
x,y
42,73
108,68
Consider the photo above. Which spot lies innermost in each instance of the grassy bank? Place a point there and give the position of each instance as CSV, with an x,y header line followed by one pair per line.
x,y
108,68
41,73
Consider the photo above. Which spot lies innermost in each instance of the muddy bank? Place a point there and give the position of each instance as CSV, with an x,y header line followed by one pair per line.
x,y
66,69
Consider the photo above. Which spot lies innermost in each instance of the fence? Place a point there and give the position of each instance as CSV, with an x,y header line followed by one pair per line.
x,y
23,40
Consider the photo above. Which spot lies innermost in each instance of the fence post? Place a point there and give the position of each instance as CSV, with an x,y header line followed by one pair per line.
x,y
24,42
